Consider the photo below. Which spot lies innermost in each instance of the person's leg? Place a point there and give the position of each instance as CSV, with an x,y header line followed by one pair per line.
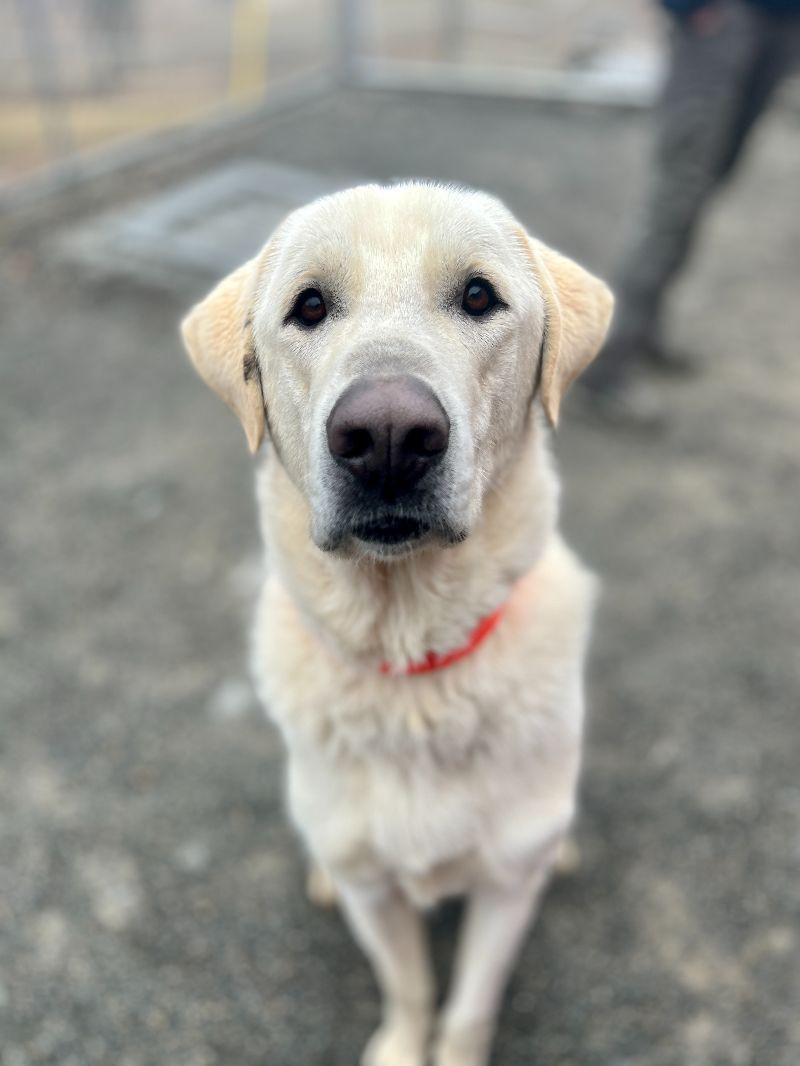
x,y
693,123
778,55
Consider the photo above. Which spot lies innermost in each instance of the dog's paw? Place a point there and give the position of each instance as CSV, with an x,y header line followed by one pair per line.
x,y
464,1046
395,1045
320,887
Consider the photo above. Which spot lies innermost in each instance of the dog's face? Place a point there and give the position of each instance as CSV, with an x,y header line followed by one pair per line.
x,y
393,340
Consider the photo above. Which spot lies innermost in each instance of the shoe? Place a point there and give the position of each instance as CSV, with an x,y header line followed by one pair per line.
x,y
623,403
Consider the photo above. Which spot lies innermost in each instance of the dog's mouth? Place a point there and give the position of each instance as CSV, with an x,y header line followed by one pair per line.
x,y
391,531
385,532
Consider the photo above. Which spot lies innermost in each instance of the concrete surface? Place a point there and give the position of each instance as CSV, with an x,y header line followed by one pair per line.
x,y
151,909
201,228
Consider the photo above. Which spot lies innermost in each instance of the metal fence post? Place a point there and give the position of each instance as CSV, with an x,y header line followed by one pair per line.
x,y
43,63
452,27
350,15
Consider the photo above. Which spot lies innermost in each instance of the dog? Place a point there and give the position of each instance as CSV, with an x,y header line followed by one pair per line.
x,y
422,627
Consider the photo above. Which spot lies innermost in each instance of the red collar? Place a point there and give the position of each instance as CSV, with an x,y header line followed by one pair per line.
x,y
434,661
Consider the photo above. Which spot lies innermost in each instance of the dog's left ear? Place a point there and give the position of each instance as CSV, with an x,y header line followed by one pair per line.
x,y
578,308
218,335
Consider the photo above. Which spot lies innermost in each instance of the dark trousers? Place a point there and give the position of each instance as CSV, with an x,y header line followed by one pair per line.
x,y
720,81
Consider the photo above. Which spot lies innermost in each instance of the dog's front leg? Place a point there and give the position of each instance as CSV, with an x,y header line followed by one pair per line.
x,y
495,924
392,934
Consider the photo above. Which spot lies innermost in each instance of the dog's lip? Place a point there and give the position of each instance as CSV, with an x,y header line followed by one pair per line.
x,y
390,529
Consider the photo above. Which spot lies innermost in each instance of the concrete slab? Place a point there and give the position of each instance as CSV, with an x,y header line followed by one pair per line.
x,y
200,228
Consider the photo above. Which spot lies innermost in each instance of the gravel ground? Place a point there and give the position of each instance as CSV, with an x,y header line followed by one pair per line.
x,y
151,909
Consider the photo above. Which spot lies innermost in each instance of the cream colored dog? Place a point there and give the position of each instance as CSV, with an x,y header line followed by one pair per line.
x,y
422,627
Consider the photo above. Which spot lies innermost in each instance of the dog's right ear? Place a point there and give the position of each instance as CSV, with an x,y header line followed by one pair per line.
x,y
218,335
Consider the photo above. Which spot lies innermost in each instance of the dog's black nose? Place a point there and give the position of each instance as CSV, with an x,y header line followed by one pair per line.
x,y
388,431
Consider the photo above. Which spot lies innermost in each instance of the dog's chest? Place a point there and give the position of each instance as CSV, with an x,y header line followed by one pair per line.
x,y
435,824
428,775
500,704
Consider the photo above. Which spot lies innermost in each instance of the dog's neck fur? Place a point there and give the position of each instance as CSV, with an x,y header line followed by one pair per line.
x,y
427,601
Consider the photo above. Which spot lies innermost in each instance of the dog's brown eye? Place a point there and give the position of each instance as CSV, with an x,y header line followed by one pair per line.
x,y
309,308
479,297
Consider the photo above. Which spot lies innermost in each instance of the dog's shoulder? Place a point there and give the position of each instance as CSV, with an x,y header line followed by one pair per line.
x,y
557,598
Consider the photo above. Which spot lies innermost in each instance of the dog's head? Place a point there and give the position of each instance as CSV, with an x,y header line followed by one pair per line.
x,y
393,341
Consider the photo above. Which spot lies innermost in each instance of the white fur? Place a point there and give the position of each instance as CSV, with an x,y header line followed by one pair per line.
x,y
407,789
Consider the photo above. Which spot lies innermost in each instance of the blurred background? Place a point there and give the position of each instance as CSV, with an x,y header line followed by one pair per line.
x,y
151,905
84,73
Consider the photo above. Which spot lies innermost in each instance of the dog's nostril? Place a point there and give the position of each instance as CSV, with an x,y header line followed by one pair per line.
x,y
388,432
425,441
354,444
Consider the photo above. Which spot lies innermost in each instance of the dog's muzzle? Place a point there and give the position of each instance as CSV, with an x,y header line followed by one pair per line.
x,y
388,434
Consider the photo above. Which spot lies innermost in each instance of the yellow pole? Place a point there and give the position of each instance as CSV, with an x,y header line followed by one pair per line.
x,y
249,32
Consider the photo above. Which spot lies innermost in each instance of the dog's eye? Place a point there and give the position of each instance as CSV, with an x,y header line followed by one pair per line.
x,y
478,298
309,308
